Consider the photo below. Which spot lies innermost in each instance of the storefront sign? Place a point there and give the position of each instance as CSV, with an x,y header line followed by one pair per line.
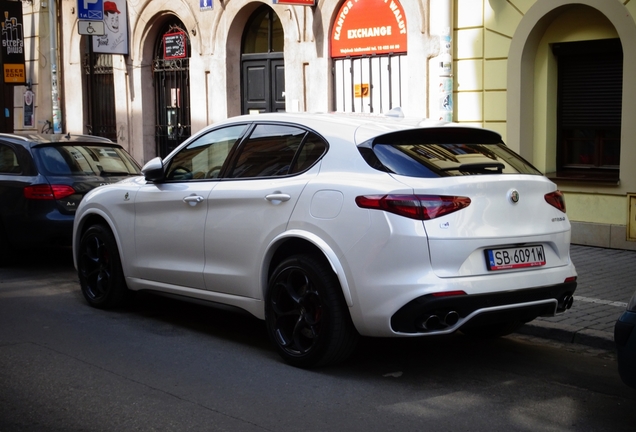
x,y
12,42
296,2
365,27
115,38
174,46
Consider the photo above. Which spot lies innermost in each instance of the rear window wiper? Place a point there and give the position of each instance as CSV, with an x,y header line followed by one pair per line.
x,y
482,167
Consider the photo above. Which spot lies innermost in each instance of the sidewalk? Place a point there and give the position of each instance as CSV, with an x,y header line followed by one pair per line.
x,y
605,285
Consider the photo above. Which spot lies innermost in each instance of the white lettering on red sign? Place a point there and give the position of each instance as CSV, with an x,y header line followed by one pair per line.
x,y
398,17
369,32
341,19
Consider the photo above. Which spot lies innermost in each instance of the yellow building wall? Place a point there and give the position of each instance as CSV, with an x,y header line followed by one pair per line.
x,y
584,207
482,36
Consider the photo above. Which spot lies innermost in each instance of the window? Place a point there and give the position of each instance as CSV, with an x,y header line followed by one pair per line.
x,y
368,84
589,109
8,161
204,157
85,160
275,150
443,152
100,94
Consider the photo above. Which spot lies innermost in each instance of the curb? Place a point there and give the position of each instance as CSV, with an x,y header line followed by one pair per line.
x,y
569,334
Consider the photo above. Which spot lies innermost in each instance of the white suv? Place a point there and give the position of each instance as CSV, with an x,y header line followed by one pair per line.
x,y
331,226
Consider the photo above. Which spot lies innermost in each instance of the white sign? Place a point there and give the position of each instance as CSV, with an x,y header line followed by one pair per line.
x,y
115,37
91,28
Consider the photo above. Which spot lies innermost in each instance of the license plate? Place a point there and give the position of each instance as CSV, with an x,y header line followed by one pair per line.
x,y
513,258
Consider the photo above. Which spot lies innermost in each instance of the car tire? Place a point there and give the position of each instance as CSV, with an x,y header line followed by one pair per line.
x,y
99,268
306,314
490,331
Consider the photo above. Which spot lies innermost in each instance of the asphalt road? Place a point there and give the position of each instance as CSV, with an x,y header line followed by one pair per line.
x,y
165,365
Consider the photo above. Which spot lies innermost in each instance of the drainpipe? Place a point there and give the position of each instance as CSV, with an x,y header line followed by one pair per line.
x,y
55,95
441,14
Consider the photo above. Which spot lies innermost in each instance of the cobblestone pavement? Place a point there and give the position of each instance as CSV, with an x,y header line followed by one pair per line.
x,y
605,285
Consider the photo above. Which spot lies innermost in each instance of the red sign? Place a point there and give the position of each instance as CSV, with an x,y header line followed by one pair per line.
x,y
296,2
366,27
174,46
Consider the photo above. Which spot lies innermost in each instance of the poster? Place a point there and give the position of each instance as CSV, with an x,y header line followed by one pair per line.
x,y
29,109
115,38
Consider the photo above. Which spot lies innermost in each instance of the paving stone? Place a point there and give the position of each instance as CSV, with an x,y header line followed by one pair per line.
x,y
605,285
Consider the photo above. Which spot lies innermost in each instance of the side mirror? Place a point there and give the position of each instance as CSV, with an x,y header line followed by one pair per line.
x,y
153,170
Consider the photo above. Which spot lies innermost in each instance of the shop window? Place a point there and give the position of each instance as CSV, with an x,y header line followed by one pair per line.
x,y
368,84
589,99
368,49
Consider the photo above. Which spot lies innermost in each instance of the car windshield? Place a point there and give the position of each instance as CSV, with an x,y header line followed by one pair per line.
x,y
86,159
442,153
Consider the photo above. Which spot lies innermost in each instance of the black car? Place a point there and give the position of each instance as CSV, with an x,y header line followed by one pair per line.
x,y
44,177
625,338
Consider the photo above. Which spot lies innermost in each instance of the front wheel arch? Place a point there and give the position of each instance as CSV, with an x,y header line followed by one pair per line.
x,y
99,267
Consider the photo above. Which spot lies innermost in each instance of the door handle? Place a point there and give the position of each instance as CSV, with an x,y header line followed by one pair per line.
x,y
280,197
193,199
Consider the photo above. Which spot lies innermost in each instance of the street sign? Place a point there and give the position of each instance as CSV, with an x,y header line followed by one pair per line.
x,y
92,10
91,28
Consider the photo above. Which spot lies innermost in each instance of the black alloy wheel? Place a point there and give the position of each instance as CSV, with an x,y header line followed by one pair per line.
x,y
306,315
99,268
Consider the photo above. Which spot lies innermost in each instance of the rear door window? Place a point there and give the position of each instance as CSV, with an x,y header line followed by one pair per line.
x,y
8,161
442,152
277,150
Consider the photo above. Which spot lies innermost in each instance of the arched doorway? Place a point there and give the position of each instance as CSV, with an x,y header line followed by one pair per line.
x,y
171,77
263,63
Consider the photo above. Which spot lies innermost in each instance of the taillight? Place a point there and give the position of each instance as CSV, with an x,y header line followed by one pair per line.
x,y
48,192
556,200
420,207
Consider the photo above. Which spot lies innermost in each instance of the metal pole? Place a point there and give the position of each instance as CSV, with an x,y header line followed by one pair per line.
x,y
443,27
55,105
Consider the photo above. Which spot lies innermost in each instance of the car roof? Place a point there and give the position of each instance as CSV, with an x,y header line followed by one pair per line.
x,y
356,127
33,139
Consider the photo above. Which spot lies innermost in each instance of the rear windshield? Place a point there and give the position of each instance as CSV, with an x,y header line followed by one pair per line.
x,y
442,152
86,159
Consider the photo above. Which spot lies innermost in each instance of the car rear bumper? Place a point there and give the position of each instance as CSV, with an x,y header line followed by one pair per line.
x,y
625,338
430,314
50,229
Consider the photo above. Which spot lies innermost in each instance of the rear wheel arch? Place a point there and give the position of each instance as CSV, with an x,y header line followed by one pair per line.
x,y
305,312
283,248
